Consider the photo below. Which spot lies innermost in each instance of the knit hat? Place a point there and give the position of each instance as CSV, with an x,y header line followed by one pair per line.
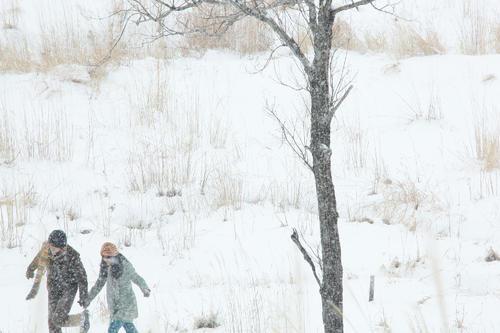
x,y
109,250
58,238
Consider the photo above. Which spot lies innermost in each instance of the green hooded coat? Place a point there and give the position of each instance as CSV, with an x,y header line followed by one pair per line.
x,y
118,278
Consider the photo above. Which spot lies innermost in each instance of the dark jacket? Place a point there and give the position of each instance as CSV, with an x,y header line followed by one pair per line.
x,y
118,278
66,275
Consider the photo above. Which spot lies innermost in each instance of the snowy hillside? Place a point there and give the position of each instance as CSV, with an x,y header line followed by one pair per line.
x,y
177,160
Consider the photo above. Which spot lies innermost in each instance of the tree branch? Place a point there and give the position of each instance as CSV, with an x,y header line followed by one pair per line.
x,y
290,139
334,107
356,4
307,257
268,59
312,11
282,34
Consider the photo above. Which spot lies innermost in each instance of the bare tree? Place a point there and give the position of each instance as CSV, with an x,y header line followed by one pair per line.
x,y
326,96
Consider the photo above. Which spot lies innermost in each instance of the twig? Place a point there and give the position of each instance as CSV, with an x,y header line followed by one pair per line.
x,y
290,139
307,257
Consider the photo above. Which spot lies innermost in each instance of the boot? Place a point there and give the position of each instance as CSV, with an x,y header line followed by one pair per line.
x,y
84,321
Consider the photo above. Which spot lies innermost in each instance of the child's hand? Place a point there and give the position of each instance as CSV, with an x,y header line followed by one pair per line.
x,y
31,295
30,274
146,292
84,303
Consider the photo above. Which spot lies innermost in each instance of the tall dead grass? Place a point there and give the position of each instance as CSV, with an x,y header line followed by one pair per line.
x,y
162,157
155,100
42,132
496,37
407,41
344,37
64,41
405,202
474,28
16,55
61,41
226,188
403,40
488,184
8,150
427,108
357,145
15,204
9,14
48,135
486,144
246,36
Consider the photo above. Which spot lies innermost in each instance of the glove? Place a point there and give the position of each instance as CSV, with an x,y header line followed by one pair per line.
x,y
30,274
31,294
84,303
146,292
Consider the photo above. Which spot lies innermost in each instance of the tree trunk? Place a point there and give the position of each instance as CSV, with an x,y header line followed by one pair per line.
x,y
332,287
331,290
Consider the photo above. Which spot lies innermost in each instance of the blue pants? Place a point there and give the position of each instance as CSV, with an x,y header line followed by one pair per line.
x,y
115,326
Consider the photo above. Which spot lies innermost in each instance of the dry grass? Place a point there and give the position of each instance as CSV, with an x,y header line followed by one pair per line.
x,y
244,310
43,133
404,201
71,36
15,55
344,37
358,145
48,135
165,165
14,214
488,185
218,131
160,168
175,239
162,156
226,188
379,172
303,38
377,42
425,109
478,34
61,41
155,100
247,36
8,152
13,217
486,144
403,41
106,208
65,43
475,29
496,37
287,195
479,30
9,14
407,42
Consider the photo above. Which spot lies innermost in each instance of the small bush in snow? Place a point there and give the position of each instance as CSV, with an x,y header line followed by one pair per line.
x,y
207,321
491,256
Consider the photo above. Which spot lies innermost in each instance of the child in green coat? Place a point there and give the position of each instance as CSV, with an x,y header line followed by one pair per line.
x,y
118,274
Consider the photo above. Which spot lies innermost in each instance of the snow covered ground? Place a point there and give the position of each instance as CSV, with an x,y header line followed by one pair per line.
x,y
179,163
